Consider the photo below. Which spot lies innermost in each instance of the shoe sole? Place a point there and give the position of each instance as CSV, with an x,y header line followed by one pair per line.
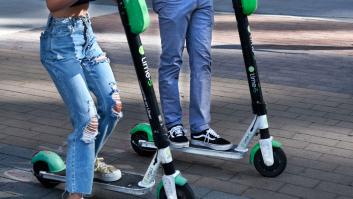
x,y
108,179
217,147
179,145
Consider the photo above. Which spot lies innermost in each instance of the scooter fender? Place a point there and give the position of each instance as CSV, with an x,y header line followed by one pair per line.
x,y
137,13
54,161
144,127
256,147
249,6
179,180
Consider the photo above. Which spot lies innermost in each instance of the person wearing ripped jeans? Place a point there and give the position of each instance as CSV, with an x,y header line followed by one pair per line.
x,y
189,21
77,65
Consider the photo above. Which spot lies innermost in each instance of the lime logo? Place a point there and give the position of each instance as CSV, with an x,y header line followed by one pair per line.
x,y
149,83
141,50
251,69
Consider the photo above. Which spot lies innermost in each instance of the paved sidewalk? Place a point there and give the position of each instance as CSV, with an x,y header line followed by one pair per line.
x,y
305,68
338,9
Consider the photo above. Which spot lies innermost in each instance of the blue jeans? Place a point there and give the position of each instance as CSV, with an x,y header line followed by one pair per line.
x,y
190,21
78,66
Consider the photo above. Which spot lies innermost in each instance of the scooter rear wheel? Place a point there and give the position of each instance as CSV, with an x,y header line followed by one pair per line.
x,y
43,166
183,192
280,163
135,138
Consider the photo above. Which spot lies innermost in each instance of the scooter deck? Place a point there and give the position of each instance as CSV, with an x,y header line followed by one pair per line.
x,y
199,150
127,184
202,147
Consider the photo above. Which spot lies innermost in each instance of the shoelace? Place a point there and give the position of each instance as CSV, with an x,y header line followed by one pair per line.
x,y
210,132
102,166
177,131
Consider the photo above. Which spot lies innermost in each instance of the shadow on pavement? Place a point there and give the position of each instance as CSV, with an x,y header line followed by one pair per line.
x,y
285,47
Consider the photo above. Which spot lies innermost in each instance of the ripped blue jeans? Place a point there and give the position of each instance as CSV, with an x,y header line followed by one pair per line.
x,y
71,55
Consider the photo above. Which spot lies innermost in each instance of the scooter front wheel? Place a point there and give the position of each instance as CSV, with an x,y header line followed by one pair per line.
x,y
183,192
43,166
280,163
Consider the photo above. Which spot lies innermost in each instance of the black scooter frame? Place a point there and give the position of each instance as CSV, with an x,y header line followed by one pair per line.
x,y
144,77
258,103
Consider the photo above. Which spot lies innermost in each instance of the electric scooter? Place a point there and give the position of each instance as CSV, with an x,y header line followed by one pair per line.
x,y
268,161
49,168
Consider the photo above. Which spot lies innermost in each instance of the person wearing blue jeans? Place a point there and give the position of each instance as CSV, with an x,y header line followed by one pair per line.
x,y
77,65
189,21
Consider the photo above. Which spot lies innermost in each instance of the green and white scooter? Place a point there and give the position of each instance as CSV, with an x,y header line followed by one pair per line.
x,y
268,161
49,168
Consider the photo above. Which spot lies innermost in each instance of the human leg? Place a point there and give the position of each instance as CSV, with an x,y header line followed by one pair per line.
x,y
173,22
198,42
199,37
80,150
102,83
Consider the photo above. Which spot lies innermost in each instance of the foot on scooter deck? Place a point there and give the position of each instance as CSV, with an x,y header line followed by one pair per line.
x,y
127,180
200,150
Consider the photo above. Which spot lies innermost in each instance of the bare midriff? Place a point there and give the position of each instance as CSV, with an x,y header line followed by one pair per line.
x,y
76,11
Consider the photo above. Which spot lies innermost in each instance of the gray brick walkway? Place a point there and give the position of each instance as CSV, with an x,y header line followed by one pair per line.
x,y
305,68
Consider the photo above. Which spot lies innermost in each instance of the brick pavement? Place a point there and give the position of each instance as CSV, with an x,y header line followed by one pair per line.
x,y
305,68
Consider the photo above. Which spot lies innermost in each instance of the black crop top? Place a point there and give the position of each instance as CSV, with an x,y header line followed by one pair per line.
x,y
79,2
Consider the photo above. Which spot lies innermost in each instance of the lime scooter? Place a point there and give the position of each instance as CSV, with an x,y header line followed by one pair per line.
x,y
49,168
268,161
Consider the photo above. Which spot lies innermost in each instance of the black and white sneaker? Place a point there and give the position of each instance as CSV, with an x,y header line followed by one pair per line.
x,y
210,139
177,137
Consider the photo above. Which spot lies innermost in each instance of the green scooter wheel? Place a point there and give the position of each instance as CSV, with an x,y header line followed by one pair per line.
x,y
279,165
183,192
135,138
43,166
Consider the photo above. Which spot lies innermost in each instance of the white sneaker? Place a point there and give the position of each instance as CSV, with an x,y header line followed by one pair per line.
x,y
106,172
267,151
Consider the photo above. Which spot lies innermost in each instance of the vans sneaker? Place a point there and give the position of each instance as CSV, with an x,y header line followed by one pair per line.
x,y
177,137
210,139
106,172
